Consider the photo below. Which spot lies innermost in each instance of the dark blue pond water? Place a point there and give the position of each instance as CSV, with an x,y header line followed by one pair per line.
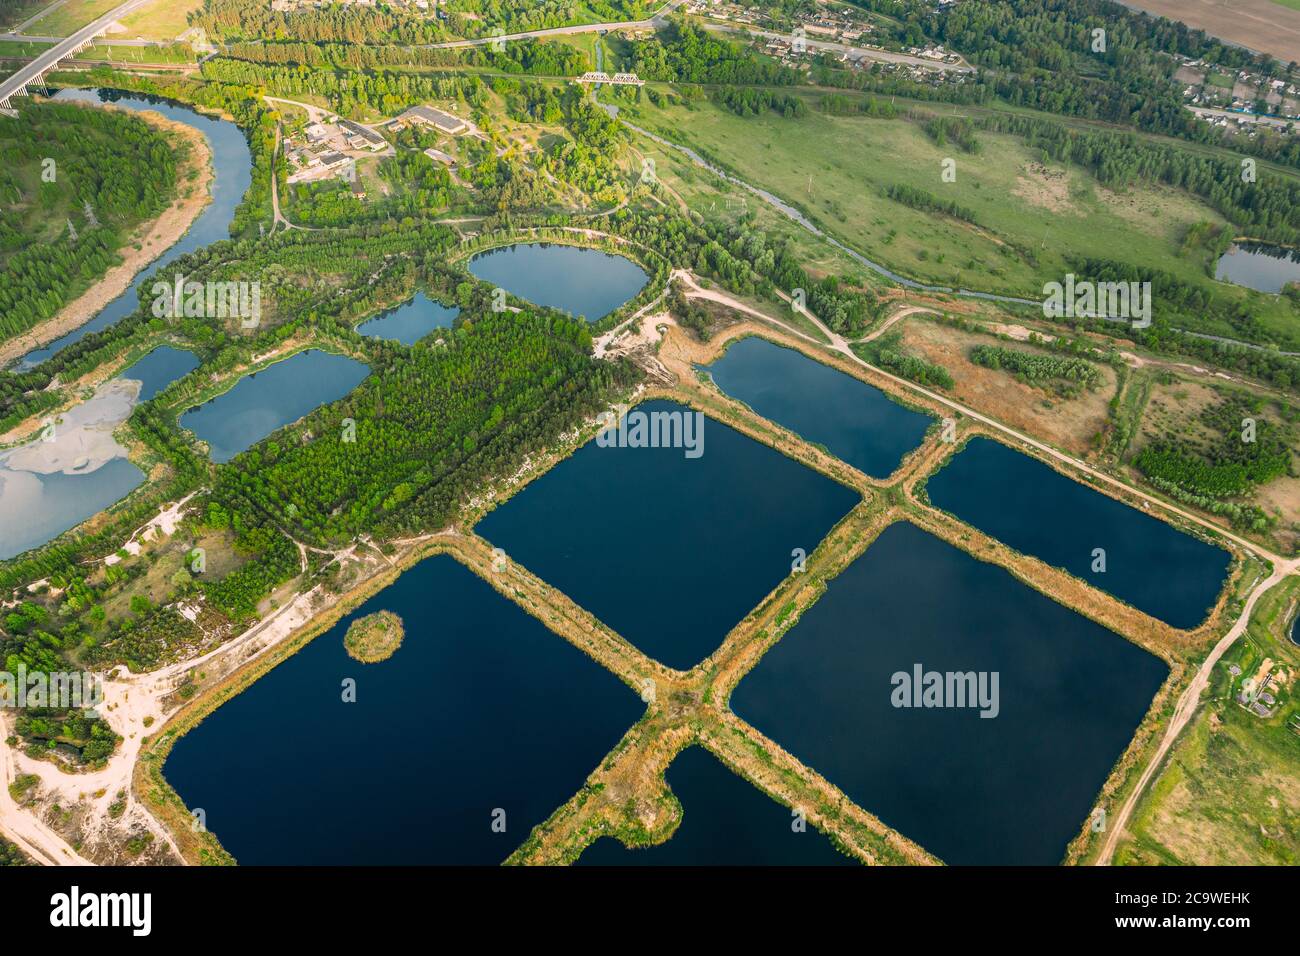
x,y
1038,511
40,507
671,552
264,401
582,282
232,166
1010,789
725,822
854,421
160,368
411,321
1260,266
480,708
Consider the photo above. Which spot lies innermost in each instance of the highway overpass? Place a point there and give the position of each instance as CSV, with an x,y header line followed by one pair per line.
x,y
34,72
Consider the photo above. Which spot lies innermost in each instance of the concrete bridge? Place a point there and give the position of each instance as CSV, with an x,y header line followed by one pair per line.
x,y
33,74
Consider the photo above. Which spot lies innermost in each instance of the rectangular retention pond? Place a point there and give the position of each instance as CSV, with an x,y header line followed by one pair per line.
x,y
481,715
853,420
669,550
1038,511
1013,788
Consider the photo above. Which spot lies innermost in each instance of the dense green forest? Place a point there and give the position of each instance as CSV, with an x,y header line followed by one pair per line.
x,y
431,424
76,181
242,101
10,855
525,56
88,741
253,19
685,53
1042,54
928,202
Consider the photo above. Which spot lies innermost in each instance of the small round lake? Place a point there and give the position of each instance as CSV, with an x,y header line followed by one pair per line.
x,y
853,420
1259,266
260,403
481,708
410,321
582,282
726,821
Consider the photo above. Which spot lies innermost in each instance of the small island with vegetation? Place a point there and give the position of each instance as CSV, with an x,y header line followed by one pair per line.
x,y
374,638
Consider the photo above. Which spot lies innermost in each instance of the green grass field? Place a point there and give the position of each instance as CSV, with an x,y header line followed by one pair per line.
x,y
70,17
161,20
716,200
837,169
1229,792
109,53
14,48
1034,218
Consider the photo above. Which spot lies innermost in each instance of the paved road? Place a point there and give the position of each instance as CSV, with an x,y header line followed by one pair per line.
x,y
853,52
30,20
107,41
64,48
1277,122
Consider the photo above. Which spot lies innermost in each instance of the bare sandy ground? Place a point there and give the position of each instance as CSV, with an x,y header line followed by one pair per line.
x,y
82,437
162,525
1257,24
152,238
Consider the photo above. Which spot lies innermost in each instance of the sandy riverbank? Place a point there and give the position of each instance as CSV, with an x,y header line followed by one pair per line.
x,y
149,241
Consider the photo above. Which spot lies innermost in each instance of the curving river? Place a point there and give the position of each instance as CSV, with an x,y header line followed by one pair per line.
x,y
232,165
75,468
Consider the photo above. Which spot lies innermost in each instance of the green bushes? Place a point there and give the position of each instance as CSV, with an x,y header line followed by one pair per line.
x,y
1067,374
887,353
928,202
1247,451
